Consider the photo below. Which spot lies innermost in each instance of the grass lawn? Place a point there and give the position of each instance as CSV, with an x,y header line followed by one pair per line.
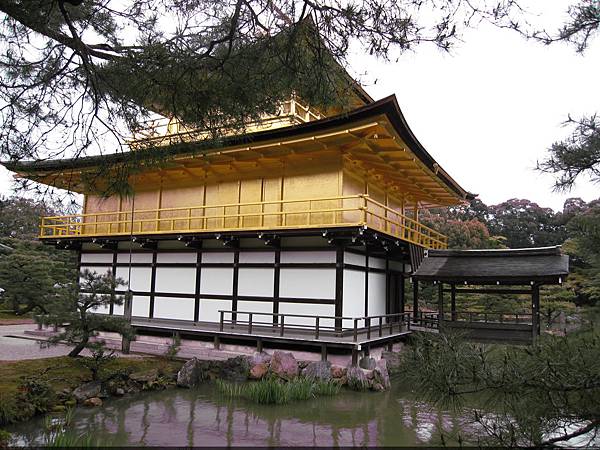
x,y
10,317
65,372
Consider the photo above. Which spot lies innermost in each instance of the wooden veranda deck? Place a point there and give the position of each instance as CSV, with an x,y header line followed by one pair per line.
x,y
357,334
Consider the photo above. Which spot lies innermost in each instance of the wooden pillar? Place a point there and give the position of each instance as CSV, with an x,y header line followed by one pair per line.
x,y
276,283
111,308
236,275
354,356
323,352
217,342
535,311
259,345
402,293
453,301
339,286
366,311
415,300
440,305
152,283
198,284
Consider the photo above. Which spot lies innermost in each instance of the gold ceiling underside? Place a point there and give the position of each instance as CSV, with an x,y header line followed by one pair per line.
x,y
372,149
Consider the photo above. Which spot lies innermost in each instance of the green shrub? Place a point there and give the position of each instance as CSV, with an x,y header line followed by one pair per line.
x,y
4,438
35,396
9,411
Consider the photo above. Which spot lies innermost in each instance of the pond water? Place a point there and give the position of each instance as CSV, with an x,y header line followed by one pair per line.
x,y
202,417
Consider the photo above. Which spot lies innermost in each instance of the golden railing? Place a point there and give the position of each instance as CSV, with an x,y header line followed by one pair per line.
x,y
354,210
168,131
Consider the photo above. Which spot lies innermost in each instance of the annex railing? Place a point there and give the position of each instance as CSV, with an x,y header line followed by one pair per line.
x,y
353,210
305,325
488,317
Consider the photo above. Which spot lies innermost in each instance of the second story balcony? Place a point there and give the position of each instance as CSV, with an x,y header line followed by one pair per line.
x,y
342,211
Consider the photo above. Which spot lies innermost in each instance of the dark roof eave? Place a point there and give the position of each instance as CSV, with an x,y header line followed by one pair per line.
x,y
387,106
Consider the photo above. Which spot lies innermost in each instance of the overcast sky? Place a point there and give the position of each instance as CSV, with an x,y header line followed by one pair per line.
x,y
489,110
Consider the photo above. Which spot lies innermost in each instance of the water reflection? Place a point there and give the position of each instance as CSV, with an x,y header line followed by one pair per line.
x,y
202,418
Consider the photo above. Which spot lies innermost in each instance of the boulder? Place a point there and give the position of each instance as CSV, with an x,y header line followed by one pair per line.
x,y
338,372
259,365
120,392
235,369
394,361
258,371
284,365
94,401
260,358
357,379
144,376
87,390
366,362
190,374
318,370
381,377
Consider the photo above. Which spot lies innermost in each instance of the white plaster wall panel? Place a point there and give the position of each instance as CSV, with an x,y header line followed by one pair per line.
x,y
310,309
217,257
256,281
100,309
307,283
308,257
135,258
175,280
140,278
96,258
99,270
119,310
209,309
377,263
140,306
261,307
257,257
354,296
353,258
171,258
216,280
174,308
376,294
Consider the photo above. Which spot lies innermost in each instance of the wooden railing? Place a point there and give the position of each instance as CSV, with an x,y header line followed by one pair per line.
x,y
355,210
315,326
488,317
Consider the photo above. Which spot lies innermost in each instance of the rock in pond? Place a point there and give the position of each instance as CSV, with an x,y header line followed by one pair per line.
x,y
190,374
87,390
144,376
338,372
381,377
235,369
394,360
318,370
366,362
94,401
259,365
284,365
357,379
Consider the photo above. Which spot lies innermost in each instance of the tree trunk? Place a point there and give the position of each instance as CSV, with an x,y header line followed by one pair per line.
x,y
79,347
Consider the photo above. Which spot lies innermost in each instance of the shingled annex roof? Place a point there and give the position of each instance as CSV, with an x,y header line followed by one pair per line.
x,y
506,266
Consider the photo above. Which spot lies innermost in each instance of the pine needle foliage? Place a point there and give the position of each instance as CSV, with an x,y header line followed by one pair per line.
x,y
536,395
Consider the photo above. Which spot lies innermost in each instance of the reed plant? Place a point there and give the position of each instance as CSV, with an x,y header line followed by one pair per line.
x,y
271,390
